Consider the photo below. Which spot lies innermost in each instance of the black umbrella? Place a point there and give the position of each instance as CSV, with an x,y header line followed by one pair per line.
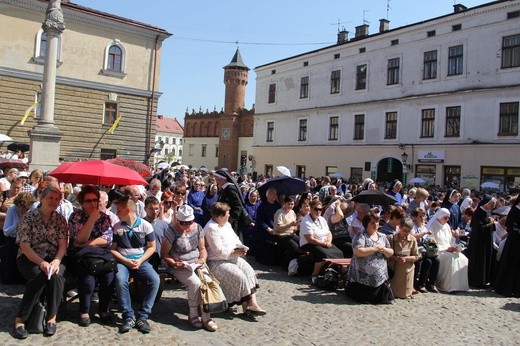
x,y
374,197
15,146
286,185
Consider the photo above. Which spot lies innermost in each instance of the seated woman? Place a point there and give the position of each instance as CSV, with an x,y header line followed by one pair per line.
x,y
183,246
166,212
368,274
402,262
453,268
338,225
225,251
42,235
252,201
90,234
426,268
9,272
195,198
210,198
316,238
284,231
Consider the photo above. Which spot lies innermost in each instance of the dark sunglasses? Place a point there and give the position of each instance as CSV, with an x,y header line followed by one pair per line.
x,y
185,223
317,209
180,193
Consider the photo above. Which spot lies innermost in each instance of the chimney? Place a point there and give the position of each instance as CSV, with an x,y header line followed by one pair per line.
x,y
459,8
342,36
361,30
384,25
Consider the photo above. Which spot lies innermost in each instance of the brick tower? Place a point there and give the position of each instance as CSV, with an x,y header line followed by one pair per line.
x,y
235,79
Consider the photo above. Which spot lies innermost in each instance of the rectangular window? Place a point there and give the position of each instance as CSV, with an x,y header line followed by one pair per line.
x,y
511,51
272,93
204,150
456,27
515,14
270,131
359,126
393,71
302,130
508,119
174,140
333,128
216,150
455,60
268,170
107,154
336,56
430,33
427,123
304,87
166,140
361,77
394,42
430,65
331,170
335,81
110,113
453,121
190,148
391,125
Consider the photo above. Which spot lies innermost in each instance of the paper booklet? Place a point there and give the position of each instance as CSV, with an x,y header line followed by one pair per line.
x,y
191,266
241,246
51,271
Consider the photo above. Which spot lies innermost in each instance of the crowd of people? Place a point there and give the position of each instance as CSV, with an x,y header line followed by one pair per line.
x,y
208,223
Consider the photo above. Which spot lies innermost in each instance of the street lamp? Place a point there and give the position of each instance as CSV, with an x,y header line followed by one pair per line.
x,y
404,158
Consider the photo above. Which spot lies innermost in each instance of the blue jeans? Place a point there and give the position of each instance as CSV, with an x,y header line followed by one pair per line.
x,y
145,274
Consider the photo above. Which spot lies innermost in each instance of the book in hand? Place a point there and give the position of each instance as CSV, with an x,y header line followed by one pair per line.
x,y
242,247
191,266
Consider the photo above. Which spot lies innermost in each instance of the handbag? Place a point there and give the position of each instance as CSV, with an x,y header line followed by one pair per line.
x,y
36,321
98,266
431,250
212,299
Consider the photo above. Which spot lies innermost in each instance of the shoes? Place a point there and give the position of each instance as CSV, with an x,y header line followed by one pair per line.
x,y
255,311
84,321
433,289
209,325
415,291
20,332
50,329
94,298
195,322
106,318
313,279
143,326
127,326
422,289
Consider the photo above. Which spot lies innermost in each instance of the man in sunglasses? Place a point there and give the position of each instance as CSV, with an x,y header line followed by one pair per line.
x,y
133,245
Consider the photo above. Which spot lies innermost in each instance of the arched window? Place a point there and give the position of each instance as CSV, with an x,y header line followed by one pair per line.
x,y
41,46
115,59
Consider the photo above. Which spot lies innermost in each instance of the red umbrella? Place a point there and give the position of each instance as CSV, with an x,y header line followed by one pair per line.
x,y
13,163
97,172
142,169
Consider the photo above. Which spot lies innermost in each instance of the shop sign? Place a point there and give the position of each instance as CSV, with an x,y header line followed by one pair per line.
x,y
515,172
436,156
492,171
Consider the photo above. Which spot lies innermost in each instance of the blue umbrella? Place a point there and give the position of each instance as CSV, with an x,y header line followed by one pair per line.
x,y
286,185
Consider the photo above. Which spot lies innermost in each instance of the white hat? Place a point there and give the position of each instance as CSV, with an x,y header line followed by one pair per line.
x,y
23,174
185,213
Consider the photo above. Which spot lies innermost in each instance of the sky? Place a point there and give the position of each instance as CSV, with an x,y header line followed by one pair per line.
x,y
205,33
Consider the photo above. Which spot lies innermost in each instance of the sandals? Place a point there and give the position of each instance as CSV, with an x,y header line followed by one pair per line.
x,y
209,325
195,322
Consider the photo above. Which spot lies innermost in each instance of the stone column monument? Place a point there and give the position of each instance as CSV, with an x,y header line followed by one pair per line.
x,y
45,136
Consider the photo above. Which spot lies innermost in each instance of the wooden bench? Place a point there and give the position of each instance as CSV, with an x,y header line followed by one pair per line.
x,y
343,262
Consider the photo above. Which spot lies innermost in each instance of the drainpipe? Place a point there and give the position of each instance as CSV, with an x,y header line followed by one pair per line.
x,y
152,101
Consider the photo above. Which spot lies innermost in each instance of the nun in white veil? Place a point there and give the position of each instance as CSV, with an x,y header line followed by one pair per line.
x,y
453,269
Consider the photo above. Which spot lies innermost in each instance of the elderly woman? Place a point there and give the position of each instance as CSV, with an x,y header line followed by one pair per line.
x,y
403,259
368,274
481,255
7,198
90,232
225,251
9,273
453,267
316,238
426,268
5,182
182,248
42,235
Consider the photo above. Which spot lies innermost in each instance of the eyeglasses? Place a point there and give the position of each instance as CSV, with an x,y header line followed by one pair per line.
x,y
185,223
91,200
180,193
317,209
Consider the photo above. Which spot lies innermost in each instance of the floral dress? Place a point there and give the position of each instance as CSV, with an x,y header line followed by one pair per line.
x,y
370,270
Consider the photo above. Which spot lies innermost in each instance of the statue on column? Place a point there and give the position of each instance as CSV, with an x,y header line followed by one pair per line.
x,y
54,17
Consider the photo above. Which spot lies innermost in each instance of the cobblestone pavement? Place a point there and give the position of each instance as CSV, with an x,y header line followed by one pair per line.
x,y
298,314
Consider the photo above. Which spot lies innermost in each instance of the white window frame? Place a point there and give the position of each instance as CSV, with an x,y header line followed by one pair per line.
x,y
112,73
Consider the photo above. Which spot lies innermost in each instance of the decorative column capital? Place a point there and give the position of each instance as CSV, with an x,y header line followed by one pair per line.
x,y
54,18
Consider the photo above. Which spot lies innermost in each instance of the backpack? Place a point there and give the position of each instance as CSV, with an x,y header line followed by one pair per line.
x,y
330,280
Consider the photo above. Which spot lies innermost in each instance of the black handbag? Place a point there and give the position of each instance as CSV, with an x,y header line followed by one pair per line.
x,y
97,266
431,250
36,321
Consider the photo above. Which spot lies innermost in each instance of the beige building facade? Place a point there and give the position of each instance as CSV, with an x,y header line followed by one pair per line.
x,y
107,71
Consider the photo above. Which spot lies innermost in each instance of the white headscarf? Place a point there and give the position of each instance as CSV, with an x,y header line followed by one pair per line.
x,y
434,220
